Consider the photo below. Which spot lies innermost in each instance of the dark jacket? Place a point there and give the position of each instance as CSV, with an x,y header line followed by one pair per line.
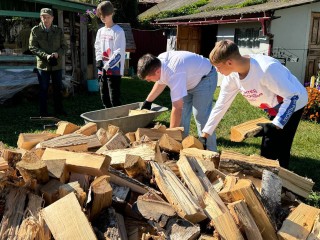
x,y
42,43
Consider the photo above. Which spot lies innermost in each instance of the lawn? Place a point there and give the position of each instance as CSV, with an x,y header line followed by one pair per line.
x,y
305,161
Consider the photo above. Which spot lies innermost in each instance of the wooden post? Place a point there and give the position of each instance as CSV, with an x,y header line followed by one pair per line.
x,y
83,51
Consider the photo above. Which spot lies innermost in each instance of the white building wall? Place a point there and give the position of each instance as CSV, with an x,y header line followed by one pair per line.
x,y
291,35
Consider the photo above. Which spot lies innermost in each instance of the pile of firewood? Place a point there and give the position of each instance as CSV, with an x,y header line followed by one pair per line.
x,y
89,183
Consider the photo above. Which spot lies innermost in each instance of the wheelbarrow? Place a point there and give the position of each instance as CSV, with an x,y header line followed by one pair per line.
x,y
118,116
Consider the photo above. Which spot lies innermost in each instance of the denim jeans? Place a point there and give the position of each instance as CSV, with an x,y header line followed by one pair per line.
x,y
199,100
44,82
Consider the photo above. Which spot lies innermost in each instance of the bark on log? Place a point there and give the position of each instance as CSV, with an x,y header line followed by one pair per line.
x,y
252,165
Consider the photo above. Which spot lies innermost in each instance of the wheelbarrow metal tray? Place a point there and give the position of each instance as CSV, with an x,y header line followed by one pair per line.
x,y
118,116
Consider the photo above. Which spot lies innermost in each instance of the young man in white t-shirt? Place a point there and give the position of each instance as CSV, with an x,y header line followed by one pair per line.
x,y
192,82
266,84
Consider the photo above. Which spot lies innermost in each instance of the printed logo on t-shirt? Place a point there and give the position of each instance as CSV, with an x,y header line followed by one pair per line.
x,y
106,37
251,95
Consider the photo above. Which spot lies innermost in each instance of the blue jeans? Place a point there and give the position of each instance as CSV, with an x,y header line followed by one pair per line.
x,y
44,82
199,101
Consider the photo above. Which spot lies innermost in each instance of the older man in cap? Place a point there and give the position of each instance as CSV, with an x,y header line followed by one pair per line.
x,y
48,44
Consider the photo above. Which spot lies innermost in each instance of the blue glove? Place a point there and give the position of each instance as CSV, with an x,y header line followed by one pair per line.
x,y
268,129
203,140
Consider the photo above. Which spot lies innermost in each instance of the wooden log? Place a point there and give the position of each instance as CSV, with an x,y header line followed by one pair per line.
x,y
134,112
315,232
271,193
111,225
254,165
57,168
182,229
65,127
70,142
83,179
299,223
102,136
50,191
67,212
13,213
178,196
135,166
145,151
208,198
74,187
245,190
131,136
202,155
11,156
88,129
33,226
111,131
172,164
246,129
192,142
33,170
154,208
85,163
156,134
229,182
29,140
3,164
122,179
167,143
101,195
246,220
295,183
118,141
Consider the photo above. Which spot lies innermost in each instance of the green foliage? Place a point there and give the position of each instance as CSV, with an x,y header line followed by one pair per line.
x,y
185,10
239,5
314,199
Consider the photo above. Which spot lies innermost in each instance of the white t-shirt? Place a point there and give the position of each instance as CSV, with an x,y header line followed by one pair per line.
x,y
269,85
110,47
182,71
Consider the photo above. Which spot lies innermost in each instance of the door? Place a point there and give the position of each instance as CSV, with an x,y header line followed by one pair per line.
x,y
189,38
313,58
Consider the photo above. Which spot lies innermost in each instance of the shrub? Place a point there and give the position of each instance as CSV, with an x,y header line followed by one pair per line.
x,y
312,109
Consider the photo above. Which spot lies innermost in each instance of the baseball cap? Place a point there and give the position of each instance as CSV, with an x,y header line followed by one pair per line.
x,y
46,11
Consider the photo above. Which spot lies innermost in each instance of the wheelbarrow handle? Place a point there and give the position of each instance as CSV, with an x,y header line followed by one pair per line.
x,y
54,119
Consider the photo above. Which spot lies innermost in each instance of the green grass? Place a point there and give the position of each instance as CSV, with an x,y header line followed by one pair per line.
x,y
305,159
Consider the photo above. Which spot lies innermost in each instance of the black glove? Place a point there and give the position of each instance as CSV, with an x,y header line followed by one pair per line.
x,y
100,78
268,129
146,105
52,61
203,140
99,65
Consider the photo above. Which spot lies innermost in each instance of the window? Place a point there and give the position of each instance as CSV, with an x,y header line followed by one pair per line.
x,y
247,37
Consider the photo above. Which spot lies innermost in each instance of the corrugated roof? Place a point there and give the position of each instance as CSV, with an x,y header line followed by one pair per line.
x,y
259,8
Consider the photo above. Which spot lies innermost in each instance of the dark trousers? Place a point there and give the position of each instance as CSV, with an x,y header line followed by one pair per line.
x,y
110,90
278,145
44,83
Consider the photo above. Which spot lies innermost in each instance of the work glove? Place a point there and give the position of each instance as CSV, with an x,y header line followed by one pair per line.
x,y
268,129
203,140
52,61
146,105
99,65
100,78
